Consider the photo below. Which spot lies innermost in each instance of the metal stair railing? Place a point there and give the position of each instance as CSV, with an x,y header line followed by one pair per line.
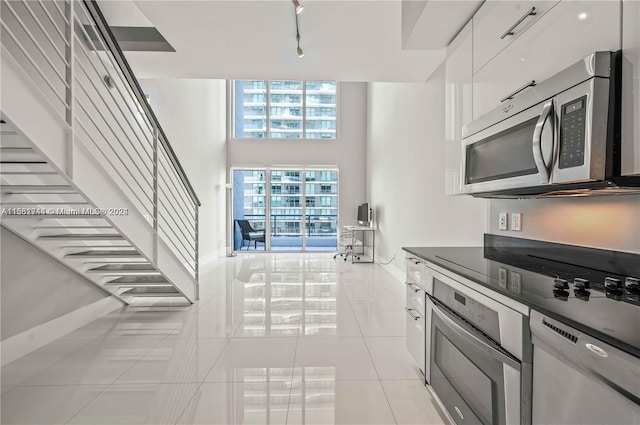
x,y
69,52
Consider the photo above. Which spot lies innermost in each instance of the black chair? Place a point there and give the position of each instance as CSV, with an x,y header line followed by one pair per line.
x,y
250,234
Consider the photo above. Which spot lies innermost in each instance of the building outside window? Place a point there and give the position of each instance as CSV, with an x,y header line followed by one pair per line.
x,y
298,208
285,109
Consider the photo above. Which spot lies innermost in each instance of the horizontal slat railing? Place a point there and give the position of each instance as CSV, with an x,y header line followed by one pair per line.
x,y
67,49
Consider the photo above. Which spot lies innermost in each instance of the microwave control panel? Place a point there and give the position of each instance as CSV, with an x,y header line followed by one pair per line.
x,y
572,133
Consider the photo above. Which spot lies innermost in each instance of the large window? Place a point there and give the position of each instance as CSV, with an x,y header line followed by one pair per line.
x,y
297,208
283,109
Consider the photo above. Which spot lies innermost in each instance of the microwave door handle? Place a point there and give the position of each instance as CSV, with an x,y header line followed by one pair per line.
x,y
543,168
469,336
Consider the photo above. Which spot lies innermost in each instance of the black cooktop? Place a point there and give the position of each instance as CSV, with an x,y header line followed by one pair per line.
x,y
596,291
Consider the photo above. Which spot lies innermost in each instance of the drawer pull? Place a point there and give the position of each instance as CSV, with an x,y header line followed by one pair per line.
x,y
531,12
512,95
413,287
410,311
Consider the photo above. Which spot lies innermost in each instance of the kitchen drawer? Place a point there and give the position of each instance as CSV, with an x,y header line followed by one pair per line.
x,y
569,32
416,337
493,20
416,271
415,298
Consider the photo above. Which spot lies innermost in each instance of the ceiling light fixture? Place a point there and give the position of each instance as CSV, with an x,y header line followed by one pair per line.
x,y
298,8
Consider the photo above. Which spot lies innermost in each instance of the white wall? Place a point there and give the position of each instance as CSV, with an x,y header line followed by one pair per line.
x,y
607,222
193,116
406,171
37,288
347,152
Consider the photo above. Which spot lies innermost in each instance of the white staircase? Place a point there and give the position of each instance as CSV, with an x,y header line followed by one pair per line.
x,y
87,174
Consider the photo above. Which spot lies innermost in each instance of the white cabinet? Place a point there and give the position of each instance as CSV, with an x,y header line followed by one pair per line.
x,y
631,87
415,309
458,103
498,23
568,32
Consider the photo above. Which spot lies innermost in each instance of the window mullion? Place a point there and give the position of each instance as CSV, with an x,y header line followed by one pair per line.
x,y
304,109
268,107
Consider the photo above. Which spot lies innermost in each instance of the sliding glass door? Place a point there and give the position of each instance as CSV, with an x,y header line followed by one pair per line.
x,y
321,209
291,209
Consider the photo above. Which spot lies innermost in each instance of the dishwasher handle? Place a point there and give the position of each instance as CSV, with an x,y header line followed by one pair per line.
x,y
473,337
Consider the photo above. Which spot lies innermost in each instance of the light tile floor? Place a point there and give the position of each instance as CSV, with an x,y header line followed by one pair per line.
x,y
275,339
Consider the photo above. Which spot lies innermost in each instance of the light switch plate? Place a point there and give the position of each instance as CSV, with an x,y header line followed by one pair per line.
x,y
502,277
502,221
516,282
516,222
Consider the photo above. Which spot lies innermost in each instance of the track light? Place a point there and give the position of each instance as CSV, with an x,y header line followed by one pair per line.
x,y
300,51
299,7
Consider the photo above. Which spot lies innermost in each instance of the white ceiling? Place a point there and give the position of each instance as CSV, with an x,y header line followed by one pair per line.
x,y
348,40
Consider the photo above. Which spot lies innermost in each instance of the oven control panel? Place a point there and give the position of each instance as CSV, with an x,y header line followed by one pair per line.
x,y
477,314
573,116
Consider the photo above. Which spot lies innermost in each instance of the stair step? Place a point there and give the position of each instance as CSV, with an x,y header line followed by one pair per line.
x,y
91,237
140,285
27,173
139,280
27,168
19,155
96,257
125,267
100,253
14,189
152,291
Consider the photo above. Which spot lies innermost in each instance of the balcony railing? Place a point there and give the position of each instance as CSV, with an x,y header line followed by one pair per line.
x,y
314,224
69,52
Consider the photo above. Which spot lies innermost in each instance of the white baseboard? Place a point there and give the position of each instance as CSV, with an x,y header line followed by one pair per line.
x,y
207,261
396,272
25,342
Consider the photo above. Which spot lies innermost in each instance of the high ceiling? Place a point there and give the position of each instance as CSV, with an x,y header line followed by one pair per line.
x,y
359,40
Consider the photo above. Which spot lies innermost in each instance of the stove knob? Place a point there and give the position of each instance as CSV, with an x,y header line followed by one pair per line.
x,y
614,295
581,294
561,294
560,284
632,284
580,283
634,296
612,284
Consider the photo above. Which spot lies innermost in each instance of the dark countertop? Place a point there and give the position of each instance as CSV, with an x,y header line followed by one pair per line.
x,y
612,321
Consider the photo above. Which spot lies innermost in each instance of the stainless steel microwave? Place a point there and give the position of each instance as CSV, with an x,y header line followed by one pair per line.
x,y
561,136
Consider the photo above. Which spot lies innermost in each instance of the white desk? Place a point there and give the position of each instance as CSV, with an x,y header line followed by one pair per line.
x,y
368,237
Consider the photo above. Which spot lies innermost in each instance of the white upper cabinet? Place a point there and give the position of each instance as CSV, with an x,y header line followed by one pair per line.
x,y
567,33
458,103
498,23
459,80
631,87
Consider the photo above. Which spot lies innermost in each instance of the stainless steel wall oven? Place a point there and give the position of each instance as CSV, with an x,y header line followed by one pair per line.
x,y
478,354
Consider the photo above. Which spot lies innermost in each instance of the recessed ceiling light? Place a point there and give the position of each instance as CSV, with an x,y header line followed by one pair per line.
x,y
582,16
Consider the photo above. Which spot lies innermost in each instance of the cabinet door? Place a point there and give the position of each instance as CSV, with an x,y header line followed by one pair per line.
x,y
458,104
631,87
566,34
493,20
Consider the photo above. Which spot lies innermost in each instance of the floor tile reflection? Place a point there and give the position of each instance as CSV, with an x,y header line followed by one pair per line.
x,y
274,339
46,404
339,402
137,404
232,403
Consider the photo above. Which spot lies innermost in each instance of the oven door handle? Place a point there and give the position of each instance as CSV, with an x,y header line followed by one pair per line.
x,y
538,156
469,335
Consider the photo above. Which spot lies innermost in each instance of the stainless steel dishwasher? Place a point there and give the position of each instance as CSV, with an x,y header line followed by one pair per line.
x,y
578,379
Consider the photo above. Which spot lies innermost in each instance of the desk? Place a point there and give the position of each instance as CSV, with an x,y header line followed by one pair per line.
x,y
368,240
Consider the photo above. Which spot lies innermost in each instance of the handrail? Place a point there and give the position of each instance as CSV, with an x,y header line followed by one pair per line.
x,y
108,36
